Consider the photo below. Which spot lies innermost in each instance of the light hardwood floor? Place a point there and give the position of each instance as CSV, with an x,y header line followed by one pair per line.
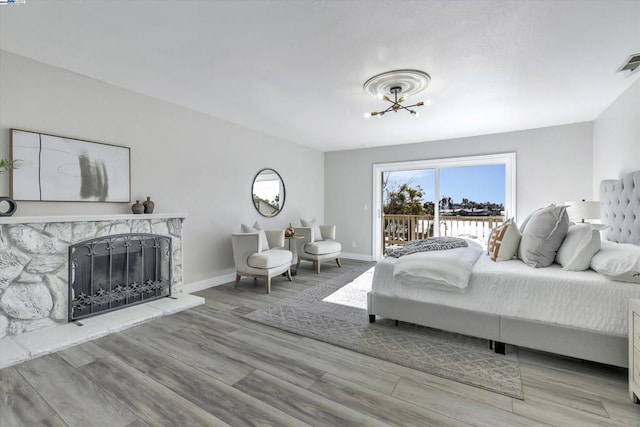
x,y
207,366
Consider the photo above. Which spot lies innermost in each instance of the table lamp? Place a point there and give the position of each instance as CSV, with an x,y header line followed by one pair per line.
x,y
579,211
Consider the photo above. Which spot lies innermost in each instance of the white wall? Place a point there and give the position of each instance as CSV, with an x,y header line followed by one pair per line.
x,y
186,161
616,138
553,166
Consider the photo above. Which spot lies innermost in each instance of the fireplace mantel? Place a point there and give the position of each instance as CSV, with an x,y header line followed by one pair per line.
x,y
86,218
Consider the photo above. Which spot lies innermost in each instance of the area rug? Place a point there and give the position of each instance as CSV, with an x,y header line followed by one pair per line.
x,y
336,312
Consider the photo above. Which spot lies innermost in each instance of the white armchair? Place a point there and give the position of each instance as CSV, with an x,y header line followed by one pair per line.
x,y
317,248
253,261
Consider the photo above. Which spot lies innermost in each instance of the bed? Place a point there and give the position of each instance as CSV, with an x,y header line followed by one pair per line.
x,y
580,314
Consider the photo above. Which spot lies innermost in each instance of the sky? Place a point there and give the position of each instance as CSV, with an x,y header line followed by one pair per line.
x,y
477,183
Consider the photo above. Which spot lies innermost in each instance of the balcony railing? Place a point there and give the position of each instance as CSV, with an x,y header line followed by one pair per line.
x,y
400,229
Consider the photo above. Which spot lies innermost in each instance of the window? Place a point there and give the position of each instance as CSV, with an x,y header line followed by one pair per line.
x,y
443,197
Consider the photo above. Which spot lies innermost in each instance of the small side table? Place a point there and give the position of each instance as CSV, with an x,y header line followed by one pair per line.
x,y
294,251
634,350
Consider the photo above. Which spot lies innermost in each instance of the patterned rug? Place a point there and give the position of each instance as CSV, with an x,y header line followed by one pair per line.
x,y
336,312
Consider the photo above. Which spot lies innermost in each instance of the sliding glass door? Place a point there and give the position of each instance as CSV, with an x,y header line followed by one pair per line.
x,y
463,197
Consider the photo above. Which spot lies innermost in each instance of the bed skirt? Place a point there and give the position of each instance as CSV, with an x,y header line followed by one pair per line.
x,y
564,340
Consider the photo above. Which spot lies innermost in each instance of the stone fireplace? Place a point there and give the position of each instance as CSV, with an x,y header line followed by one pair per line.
x,y
34,263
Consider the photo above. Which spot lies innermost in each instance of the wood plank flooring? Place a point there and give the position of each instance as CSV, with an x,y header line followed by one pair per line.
x,y
209,367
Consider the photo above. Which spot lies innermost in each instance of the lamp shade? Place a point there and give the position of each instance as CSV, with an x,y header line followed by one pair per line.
x,y
581,210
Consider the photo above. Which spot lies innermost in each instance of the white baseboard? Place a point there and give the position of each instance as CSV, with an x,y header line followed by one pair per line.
x,y
209,283
357,257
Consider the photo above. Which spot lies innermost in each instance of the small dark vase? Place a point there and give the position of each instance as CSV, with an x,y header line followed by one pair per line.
x,y
137,207
149,205
11,208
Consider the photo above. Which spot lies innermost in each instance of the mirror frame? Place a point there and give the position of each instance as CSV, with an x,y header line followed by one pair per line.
x,y
283,196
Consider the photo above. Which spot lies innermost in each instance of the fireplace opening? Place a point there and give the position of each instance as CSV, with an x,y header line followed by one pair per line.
x,y
109,273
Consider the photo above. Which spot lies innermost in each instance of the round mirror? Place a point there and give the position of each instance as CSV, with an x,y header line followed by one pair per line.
x,y
268,192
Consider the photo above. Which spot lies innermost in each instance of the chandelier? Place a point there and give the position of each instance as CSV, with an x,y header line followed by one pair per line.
x,y
395,87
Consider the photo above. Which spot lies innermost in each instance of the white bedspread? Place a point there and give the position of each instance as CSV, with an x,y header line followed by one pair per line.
x,y
582,299
446,270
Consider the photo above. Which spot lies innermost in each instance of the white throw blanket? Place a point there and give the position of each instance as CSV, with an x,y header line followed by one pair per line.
x,y
447,270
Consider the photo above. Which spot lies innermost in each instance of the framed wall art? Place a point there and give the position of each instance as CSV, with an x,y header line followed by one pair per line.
x,y
56,168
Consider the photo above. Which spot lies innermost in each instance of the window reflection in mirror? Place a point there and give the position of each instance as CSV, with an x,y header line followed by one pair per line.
x,y
268,192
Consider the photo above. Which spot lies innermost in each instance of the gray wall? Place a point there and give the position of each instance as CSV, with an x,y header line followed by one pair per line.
x,y
186,161
553,166
616,138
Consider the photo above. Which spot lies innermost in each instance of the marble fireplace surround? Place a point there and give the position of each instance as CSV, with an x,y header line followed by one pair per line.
x,y
34,281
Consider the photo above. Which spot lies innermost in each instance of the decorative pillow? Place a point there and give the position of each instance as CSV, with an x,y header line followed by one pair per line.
x,y
263,236
265,241
543,235
579,246
526,220
317,234
504,241
618,261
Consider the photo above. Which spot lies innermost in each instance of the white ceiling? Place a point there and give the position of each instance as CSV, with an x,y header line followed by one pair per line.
x,y
295,69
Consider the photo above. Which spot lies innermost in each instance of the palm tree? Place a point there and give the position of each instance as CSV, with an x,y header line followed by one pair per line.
x,y
446,203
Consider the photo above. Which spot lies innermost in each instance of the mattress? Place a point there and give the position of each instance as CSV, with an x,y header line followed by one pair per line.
x,y
582,299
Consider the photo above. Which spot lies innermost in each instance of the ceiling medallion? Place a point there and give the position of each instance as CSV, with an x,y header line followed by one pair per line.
x,y
395,87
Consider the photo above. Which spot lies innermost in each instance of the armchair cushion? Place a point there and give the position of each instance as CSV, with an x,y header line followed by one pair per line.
x,y
269,259
322,247
264,243
313,224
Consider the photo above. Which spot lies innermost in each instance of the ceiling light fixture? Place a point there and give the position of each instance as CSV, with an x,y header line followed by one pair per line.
x,y
395,87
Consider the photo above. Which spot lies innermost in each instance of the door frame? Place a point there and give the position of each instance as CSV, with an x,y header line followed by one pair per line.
x,y
507,159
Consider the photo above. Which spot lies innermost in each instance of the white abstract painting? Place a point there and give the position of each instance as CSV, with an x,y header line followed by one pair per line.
x,y
54,168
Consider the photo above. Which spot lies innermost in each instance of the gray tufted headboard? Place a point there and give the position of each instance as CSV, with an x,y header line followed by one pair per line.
x,y
620,208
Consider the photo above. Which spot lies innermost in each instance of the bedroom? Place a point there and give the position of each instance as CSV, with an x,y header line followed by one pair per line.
x,y
206,163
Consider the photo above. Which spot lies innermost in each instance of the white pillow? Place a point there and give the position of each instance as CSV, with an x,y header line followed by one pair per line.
x,y
504,241
317,234
265,241
263,236
577,249
618,261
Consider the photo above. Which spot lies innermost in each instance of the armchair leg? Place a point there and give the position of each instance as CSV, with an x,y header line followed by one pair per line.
x,y
338,262
289,274
237,280
317,265
298,263
267,284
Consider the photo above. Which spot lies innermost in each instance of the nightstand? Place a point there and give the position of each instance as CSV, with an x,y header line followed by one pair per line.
x,y
634,350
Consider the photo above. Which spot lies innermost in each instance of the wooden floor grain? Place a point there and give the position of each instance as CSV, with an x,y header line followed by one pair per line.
x,y
208,366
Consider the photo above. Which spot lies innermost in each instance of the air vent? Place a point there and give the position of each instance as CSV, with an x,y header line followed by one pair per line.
x,y
632,64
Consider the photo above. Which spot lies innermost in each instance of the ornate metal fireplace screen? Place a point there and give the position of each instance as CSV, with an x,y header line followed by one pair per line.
x,y
109,273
